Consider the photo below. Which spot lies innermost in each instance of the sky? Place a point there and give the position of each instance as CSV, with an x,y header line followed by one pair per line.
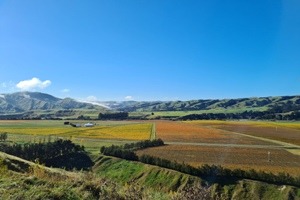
x,y
147,50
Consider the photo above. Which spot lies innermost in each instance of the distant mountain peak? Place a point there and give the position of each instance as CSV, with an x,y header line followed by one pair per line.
x,y
30,101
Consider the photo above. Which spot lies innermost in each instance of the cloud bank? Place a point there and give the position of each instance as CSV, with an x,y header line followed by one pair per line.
x,y
33,84
91,98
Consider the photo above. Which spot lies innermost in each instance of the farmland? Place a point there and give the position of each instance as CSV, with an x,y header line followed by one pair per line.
x,y
229,157
232,144
103,134
103,130
185,132
280,131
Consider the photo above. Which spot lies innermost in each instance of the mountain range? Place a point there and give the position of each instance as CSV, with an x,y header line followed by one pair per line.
x,y
21,102
282,103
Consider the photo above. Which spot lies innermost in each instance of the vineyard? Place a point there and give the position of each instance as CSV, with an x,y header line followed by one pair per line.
x,y
232,144
233,158
281,131
186,132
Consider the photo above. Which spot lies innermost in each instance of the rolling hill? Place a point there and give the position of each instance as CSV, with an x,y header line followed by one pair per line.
x,y
113,178
284,103
31,101
35,104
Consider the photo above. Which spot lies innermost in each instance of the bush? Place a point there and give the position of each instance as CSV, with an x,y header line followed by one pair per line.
x,y
61,153
3,136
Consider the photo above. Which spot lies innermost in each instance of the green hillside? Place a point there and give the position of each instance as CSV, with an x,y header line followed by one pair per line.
x,y
286,103
113,178
21,102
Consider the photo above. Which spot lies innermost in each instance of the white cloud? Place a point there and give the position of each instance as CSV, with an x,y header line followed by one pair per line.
x,y
33,84
128,98
65,91
91,98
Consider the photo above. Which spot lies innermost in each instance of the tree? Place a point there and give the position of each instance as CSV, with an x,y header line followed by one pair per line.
x,y
3,136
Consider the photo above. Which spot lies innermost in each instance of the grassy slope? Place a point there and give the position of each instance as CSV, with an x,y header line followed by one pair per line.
x,y
21,179
114,178
246,189
164,179
147,175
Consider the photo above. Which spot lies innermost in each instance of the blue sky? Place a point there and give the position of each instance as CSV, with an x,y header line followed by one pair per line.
x,y
150,50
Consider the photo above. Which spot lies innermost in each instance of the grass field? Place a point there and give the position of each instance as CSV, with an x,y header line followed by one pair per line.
x,y
183,113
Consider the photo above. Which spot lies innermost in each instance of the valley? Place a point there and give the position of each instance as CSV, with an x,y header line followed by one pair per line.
x,y
266,148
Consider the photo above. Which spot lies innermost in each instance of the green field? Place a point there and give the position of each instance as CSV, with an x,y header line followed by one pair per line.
x,y
155,114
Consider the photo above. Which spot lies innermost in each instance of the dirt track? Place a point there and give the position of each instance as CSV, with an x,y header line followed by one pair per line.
x,y
295,149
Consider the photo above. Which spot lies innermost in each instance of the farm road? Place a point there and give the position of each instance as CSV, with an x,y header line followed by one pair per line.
x,y
229,145
292,148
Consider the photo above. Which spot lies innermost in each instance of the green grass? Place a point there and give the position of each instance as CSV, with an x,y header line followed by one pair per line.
x,y
113,178
183,113
124,171
40,182
153,132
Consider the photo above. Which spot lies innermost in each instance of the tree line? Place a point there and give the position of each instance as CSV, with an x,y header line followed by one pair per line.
x,y
113,116
254,115
211,173
60,153
127,150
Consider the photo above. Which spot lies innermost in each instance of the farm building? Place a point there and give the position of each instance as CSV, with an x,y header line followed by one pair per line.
x,y
89,124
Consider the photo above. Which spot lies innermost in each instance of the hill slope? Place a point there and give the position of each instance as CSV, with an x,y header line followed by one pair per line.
x,y
31,101
113,178
281,103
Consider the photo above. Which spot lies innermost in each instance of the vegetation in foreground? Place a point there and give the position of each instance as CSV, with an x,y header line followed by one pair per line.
x,y
189,187
123,173
113,178
60,153
211,173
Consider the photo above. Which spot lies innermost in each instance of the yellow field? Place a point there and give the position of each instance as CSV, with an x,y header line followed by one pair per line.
x,y
126,131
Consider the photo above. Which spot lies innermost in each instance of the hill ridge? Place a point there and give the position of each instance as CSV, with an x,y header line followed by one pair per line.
x,y
31,101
